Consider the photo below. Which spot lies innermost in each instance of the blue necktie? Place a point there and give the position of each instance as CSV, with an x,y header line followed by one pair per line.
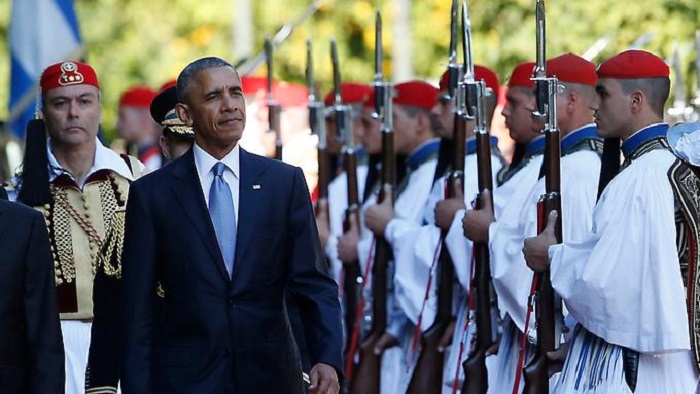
x,y
223,215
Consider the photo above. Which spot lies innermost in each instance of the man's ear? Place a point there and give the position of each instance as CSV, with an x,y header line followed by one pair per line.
x,y
637,101
163,142
423,120
183,112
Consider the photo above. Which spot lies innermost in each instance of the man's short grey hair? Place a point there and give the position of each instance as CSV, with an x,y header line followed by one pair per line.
x,y
191,70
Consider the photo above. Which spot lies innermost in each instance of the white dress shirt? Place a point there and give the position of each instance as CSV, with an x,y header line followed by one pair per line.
x,y
205,162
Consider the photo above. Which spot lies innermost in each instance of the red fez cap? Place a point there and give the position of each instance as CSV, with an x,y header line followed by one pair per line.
x,y
137,96
352,93
67,73
169,84
291,94
416,94
253,84
633,64
573,69
521,75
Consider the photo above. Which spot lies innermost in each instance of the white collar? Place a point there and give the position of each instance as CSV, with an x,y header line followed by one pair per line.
x,y
105,159
204,161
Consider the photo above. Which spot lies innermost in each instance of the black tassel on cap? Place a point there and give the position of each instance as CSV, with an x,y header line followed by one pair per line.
x,y
34,189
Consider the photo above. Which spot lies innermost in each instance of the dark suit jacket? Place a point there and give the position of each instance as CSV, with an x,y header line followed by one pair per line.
x,y
31,344
211,333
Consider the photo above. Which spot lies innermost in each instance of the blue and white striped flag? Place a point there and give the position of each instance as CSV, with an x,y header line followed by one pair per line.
x,y
42,32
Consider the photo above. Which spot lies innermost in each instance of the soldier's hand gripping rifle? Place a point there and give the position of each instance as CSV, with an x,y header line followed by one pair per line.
x,y
547,304
318,126
343,121
427,374
273,107
476,375
366,379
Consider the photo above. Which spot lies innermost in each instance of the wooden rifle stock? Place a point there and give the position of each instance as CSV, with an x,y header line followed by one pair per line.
x,y
324,169
476,375
427,376
324,166
351,270
366,378
536,373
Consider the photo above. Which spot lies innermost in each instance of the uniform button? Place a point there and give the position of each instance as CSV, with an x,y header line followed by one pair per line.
x,y
231,301
227,351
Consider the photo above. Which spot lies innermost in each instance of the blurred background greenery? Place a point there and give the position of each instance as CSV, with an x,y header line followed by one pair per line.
x,y
148,41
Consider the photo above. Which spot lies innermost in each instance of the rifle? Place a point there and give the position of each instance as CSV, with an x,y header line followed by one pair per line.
x,y
318,126
273,108
366,379
343,119
427,374
547,305
476,375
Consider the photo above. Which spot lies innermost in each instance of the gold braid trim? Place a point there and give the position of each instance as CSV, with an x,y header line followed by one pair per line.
x,y
110,256
110,248
61,198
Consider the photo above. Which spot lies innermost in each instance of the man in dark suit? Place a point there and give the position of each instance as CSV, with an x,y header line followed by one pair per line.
x,y
213,241
31,345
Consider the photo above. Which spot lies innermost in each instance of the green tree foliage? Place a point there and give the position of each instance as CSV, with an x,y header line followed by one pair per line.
x,y
148,42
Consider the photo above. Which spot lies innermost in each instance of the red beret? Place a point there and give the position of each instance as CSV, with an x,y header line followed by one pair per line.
x,y
633,64
137,96
67,73
253,84
352,93
291,94
573,69
480,73
417,94
521,75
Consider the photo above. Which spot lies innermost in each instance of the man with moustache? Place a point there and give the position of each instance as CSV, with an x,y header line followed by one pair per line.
x,y
80,187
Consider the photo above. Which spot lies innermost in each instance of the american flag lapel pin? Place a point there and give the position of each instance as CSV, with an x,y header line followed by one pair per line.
x,y
256,187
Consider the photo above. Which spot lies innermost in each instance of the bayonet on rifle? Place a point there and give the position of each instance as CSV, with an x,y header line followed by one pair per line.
x,y
453,66
318,125
273,107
